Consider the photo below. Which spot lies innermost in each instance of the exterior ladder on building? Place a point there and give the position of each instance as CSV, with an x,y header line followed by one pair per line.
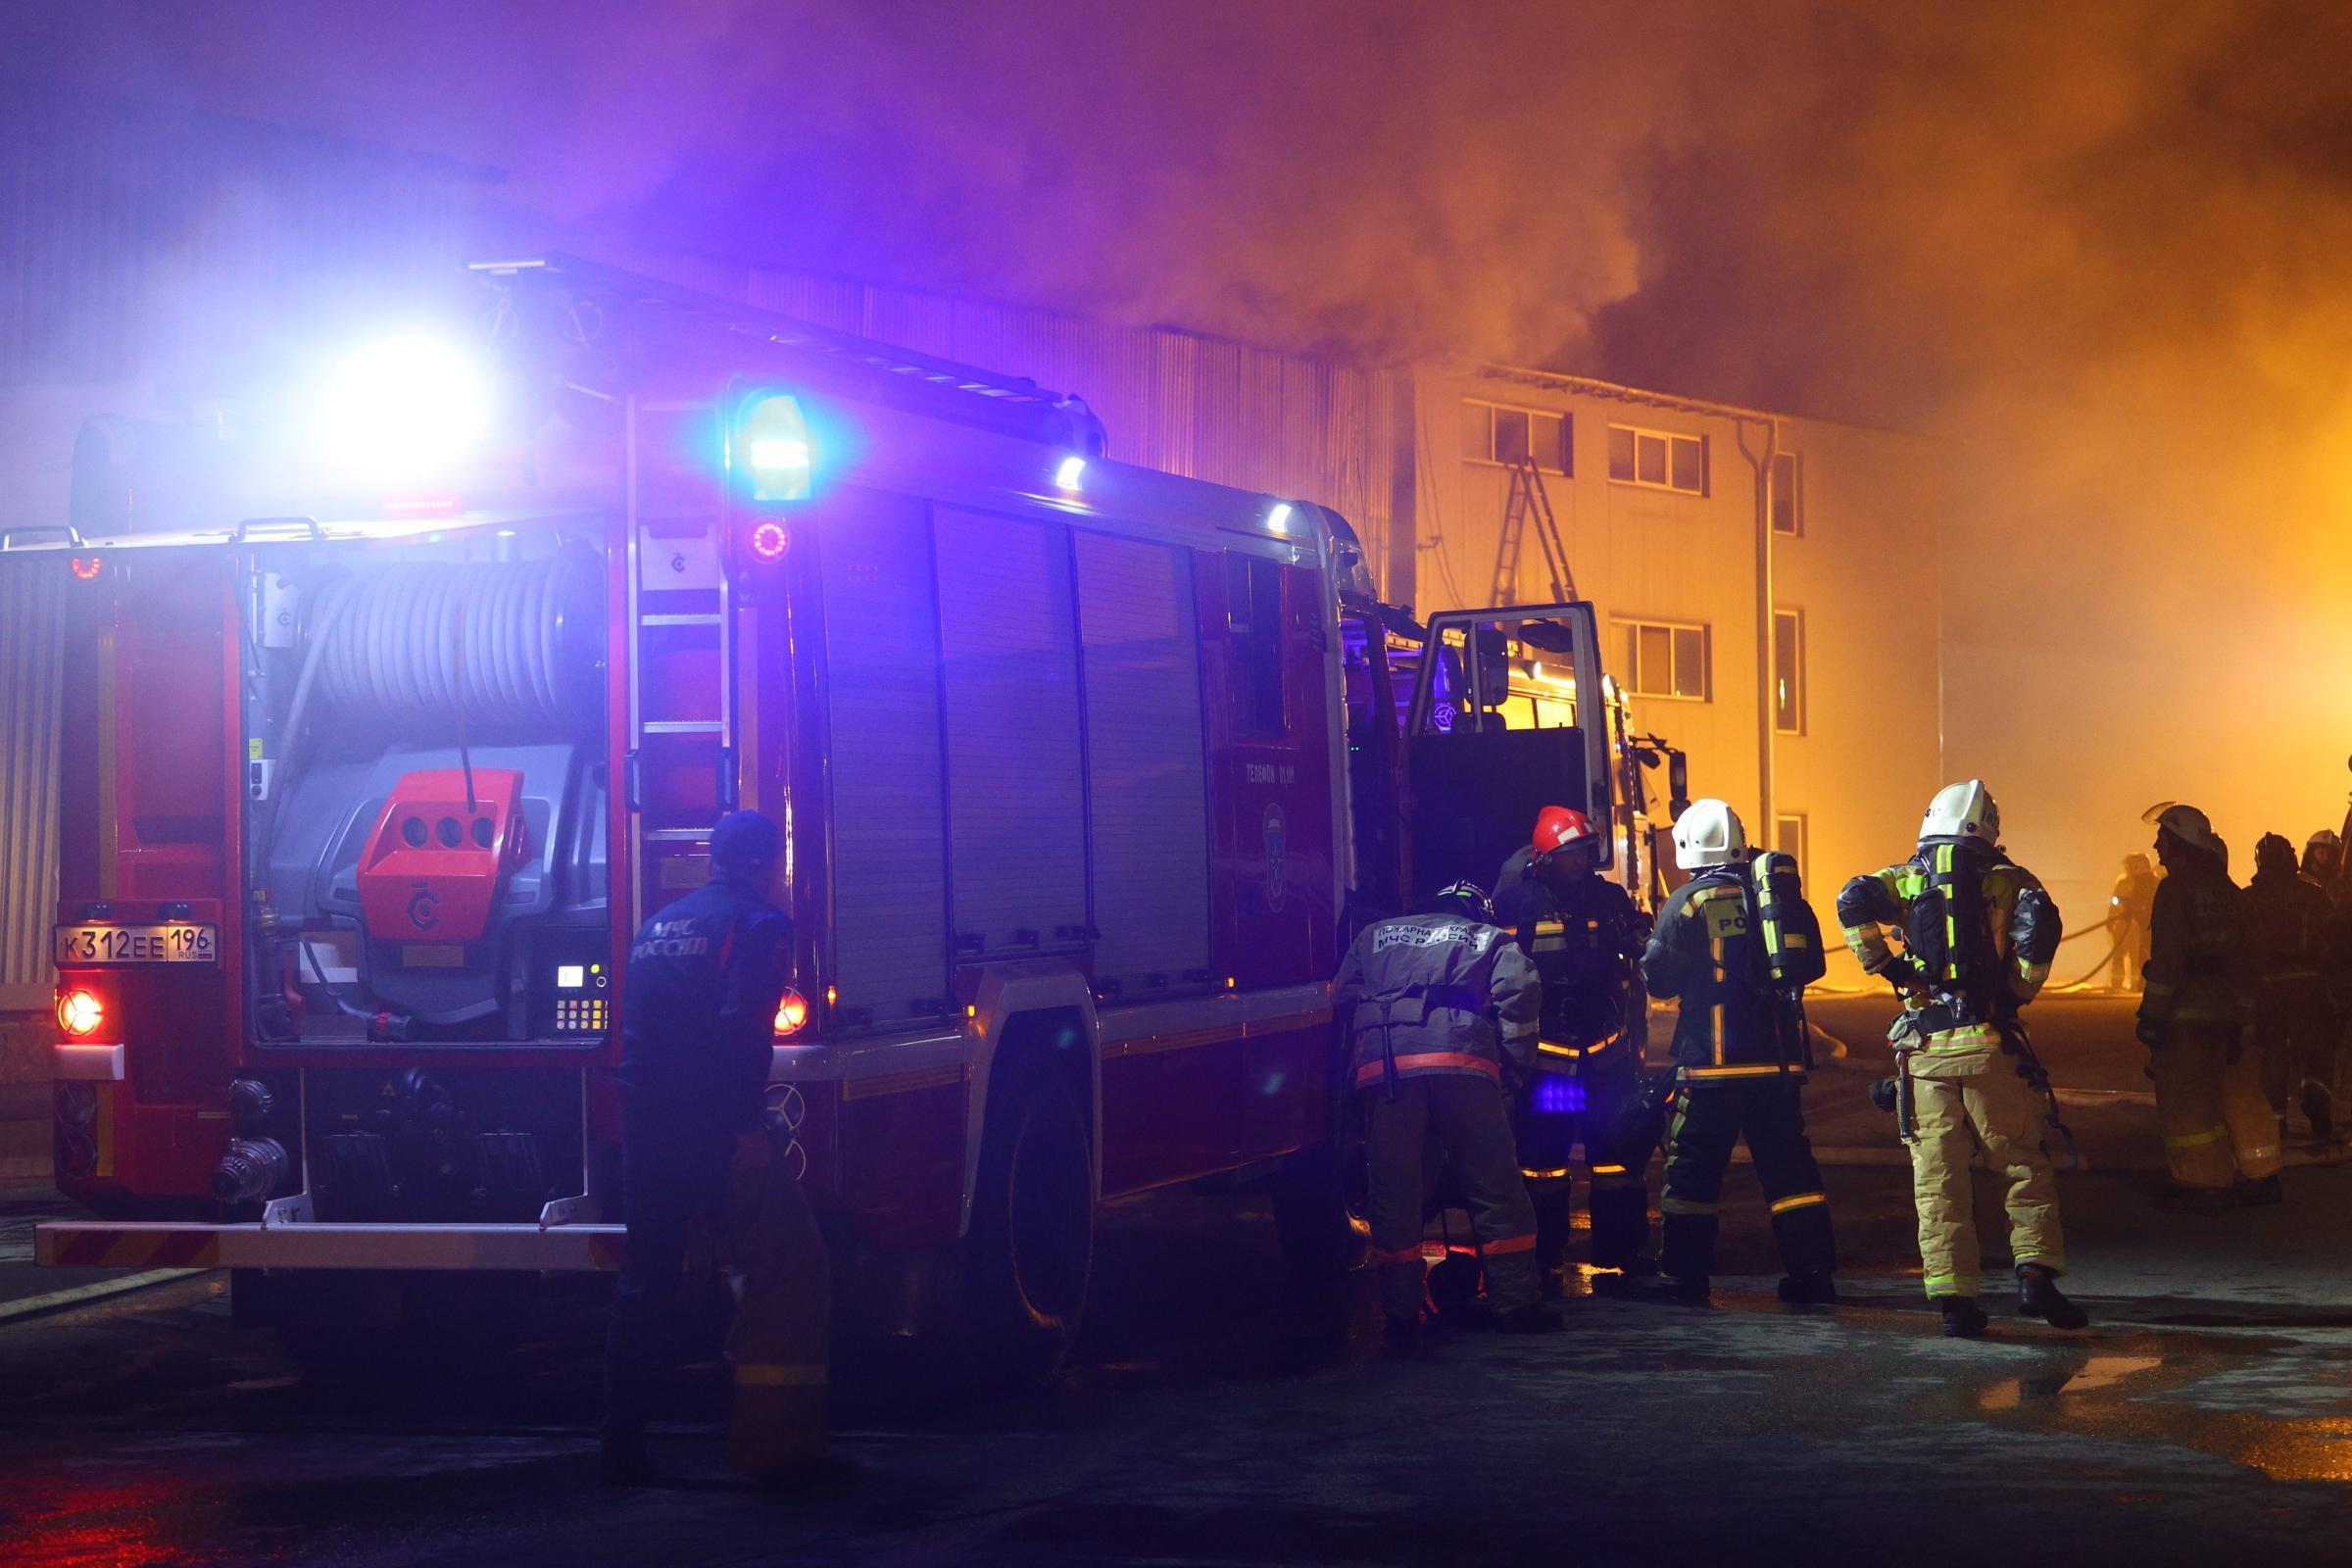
x,y
1529,500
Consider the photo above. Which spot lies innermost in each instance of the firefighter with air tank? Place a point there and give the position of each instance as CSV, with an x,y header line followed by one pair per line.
x,y
1440,1005
1736,944
1584,937
1977,937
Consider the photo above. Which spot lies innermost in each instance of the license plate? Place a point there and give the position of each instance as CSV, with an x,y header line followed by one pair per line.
x,y
78,945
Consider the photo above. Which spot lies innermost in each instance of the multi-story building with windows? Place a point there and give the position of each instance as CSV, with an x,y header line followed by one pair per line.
x,y
1770,582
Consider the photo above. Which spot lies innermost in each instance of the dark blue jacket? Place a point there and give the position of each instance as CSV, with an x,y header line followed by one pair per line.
x,y
697,1026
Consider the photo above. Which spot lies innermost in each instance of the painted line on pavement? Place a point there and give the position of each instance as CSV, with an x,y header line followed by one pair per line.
x,y
93,1293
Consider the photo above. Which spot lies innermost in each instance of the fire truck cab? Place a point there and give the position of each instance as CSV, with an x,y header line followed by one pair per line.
x,y
1086,771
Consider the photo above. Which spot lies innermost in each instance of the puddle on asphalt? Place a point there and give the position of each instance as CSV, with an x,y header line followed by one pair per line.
x,y
2281,1445
2105,1371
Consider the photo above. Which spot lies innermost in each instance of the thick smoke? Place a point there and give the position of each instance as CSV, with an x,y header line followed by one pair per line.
x,y
2098,248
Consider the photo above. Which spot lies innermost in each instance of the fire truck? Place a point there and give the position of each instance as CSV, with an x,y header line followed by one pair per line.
x,y
390,716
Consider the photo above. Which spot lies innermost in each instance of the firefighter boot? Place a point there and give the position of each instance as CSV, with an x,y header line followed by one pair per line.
x,y
627,1464
1963,1318
2038,1295
2258,1194
2193,1201
1665,1290
1533,1318
1406,1337
2317,1111
1813,1289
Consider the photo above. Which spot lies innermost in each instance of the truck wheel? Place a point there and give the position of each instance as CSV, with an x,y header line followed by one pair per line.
x,y
1032,1243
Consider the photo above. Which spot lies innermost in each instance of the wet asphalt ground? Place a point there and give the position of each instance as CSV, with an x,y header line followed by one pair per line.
x,y
1210,1416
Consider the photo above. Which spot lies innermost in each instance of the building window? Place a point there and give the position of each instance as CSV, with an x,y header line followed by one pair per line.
x,y
1788,672
1254,622
1658,458
1494,432
1788,493
1662,660
1788,837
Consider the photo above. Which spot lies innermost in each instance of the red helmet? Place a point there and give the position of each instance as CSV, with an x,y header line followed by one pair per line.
x,y
1557,827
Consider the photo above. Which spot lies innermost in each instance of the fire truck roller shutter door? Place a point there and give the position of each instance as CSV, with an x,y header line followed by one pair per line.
x,y
888,804
1149,800
1016,801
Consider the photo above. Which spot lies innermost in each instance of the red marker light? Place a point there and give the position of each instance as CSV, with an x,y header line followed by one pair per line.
x,y
86,567
80,1012
769,541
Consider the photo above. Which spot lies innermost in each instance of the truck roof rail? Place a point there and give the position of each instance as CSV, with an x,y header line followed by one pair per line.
x,y
45,534
860,367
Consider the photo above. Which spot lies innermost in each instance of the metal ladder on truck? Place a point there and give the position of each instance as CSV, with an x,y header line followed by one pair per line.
x,y
1527,501
680,770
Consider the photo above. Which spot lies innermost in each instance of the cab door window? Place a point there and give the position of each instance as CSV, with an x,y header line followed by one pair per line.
x,y
1253,624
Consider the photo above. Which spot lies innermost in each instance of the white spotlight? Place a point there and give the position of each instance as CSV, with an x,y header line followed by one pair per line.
x,y
403,405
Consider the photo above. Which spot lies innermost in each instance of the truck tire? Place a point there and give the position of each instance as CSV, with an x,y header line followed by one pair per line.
x,y
1030,1248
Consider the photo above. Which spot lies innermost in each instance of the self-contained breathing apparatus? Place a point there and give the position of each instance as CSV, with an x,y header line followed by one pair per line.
x,y
1791,959
1949,976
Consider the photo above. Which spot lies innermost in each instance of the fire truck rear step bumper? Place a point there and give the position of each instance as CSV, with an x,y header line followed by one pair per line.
x,y
109,1244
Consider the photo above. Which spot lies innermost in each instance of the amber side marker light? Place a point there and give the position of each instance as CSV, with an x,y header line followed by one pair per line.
x,y
792,1014
80,1012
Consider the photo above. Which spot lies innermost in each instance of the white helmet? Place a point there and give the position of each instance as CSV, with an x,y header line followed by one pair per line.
x,y
2186,823
1708,833
1962,812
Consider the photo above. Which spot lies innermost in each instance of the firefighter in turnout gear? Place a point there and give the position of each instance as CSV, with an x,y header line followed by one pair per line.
x,y
1584,937
1979,934
2221,1138
2127,907
704,977
1737,945
2288,922
1440,1006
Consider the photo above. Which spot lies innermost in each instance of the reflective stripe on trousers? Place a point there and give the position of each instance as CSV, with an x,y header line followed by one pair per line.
x,y
1465,1122
2000,1111
2216,1122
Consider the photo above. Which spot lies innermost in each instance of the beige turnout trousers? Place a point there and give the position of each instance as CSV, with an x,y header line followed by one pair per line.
x,y
1991,1107
2216,1122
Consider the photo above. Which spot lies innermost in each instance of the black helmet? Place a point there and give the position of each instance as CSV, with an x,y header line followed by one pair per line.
x,y
1464,899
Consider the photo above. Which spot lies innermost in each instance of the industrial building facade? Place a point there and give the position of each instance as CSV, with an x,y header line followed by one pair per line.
x,y
1783,634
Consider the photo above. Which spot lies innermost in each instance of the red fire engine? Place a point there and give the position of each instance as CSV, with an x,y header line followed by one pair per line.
x,y
1085,772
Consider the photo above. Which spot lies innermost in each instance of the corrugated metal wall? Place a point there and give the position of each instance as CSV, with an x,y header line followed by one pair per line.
x,y
138,241
32,612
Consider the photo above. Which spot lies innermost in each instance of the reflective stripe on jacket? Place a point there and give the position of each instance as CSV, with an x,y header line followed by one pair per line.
x,y
1446,995
1728,1025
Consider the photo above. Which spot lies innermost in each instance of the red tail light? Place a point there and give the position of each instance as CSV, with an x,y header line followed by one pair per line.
x,y
792,1014
80,1012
